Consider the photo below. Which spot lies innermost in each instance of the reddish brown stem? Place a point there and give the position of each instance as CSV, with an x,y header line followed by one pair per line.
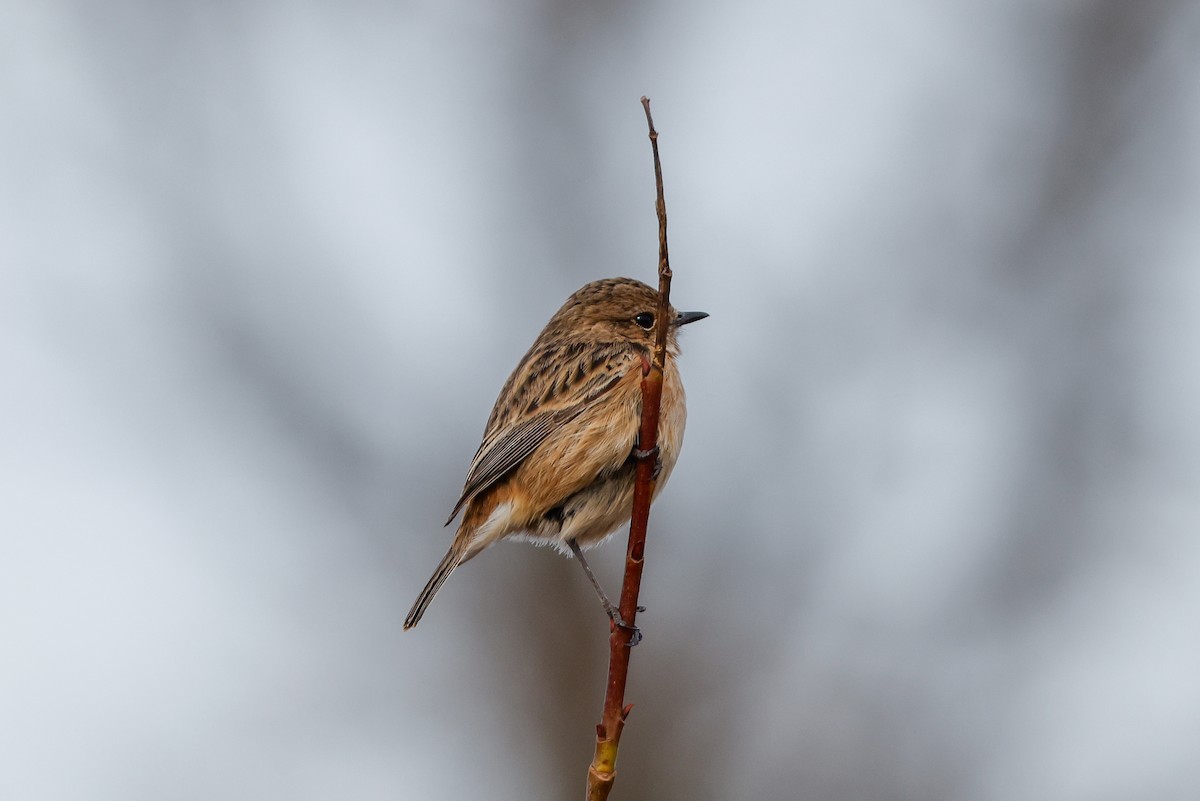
x,y
602,771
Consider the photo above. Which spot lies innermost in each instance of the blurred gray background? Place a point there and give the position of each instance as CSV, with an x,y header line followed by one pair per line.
x,y
264,266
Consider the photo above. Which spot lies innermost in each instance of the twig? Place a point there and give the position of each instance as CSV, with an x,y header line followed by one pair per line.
x,y
602,771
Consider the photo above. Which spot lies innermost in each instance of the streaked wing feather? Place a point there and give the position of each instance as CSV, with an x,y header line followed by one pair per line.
x,y
507,447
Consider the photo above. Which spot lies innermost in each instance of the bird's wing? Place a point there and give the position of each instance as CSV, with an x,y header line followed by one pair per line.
x,y
505,446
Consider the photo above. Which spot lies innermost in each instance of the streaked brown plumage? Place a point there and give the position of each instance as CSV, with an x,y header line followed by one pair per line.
x,y
556,466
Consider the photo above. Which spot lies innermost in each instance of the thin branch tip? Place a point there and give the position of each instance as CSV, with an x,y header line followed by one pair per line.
x,y
649,119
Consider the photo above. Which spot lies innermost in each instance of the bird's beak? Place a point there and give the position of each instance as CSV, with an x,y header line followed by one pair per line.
x,y
683,318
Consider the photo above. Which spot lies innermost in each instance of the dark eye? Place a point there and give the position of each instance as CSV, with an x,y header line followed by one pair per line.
x,y
645,320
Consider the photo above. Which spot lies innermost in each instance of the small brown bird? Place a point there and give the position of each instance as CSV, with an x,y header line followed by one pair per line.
x,y
556,466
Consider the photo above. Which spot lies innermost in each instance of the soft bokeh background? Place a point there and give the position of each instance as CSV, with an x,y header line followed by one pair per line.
x,y
264,266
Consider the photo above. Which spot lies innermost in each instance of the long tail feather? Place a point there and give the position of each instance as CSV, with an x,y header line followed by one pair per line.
x,y
452,559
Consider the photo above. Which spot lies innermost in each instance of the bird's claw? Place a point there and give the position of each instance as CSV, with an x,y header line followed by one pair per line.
x,y
645,454
635,634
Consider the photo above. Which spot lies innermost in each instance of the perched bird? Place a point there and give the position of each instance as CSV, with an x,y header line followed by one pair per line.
x,y
556,466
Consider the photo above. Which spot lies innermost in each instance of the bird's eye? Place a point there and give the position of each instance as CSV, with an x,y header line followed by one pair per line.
x,y
645,320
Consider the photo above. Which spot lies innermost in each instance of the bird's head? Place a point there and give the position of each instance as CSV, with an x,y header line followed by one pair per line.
x,y
616,309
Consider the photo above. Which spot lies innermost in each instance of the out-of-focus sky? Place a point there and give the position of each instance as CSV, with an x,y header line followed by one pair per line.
x,y
936,529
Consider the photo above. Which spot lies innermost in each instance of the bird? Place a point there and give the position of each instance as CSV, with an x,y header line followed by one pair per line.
x,y
559,453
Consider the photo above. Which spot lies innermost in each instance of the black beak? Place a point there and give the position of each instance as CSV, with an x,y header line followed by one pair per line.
x,y
683,318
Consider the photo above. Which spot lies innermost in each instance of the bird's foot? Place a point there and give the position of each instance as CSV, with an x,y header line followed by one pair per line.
x,y
635,634
638,453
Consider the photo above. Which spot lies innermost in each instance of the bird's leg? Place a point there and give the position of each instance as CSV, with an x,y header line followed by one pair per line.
x,y
609,608
613,615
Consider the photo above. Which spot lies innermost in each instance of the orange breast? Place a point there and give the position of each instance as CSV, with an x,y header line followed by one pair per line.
x,y
671,421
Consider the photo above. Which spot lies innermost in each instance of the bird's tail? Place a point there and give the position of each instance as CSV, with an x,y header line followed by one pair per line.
x,y
453,558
